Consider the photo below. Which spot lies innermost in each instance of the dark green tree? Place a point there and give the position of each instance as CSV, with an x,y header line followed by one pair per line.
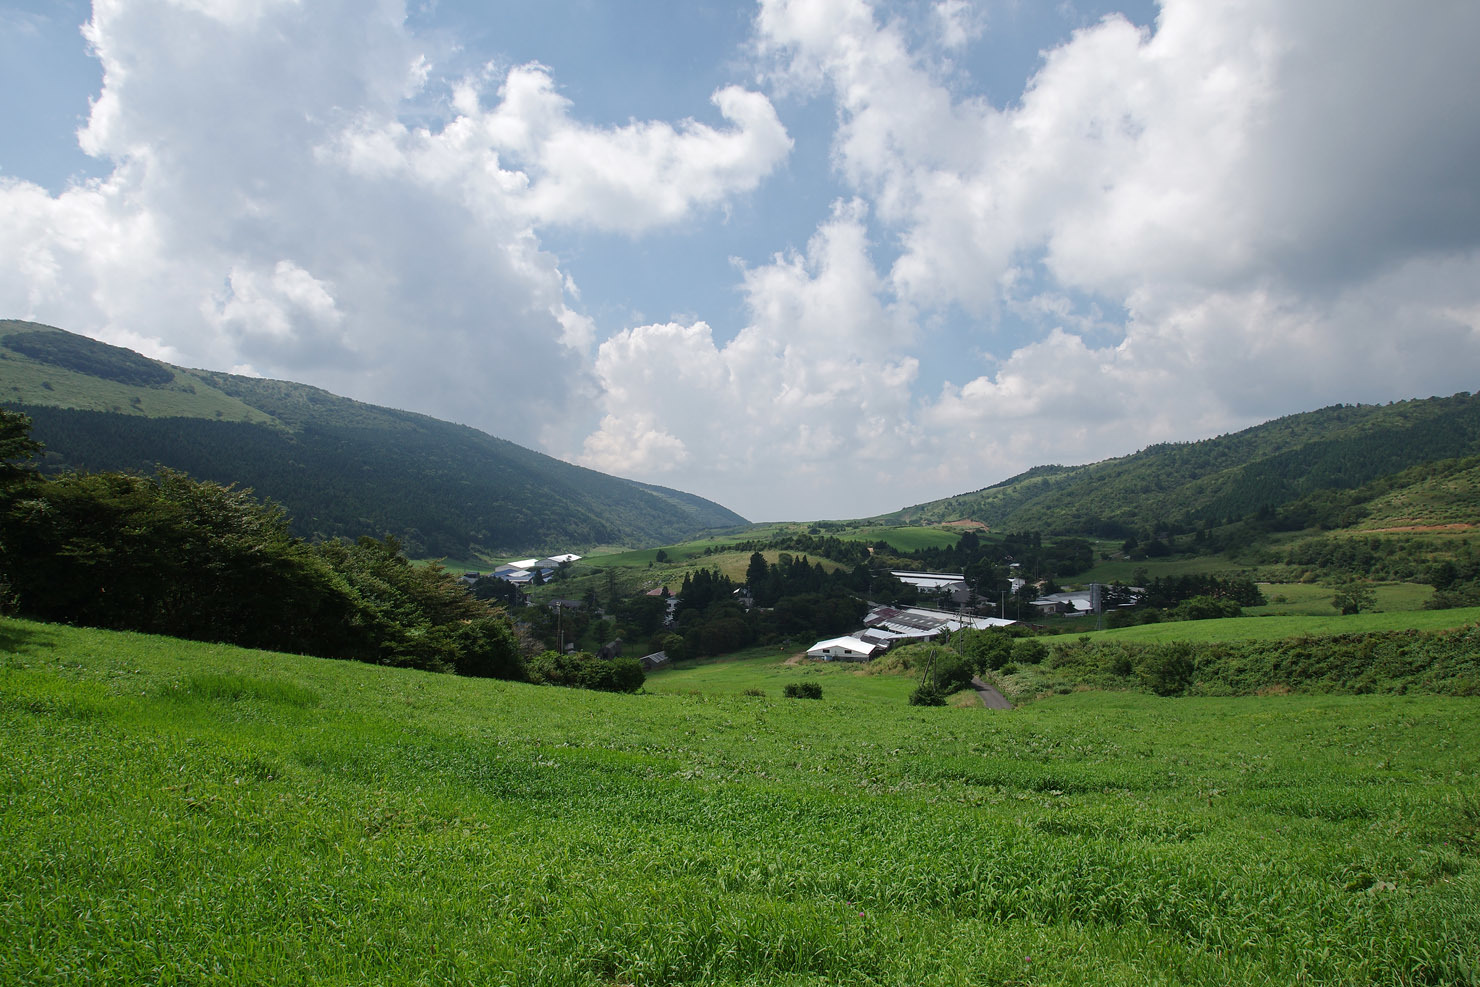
x,y
1354,597
16,448
757,571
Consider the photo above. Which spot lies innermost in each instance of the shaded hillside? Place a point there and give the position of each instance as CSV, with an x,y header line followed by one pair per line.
x,y
1257,470
340,467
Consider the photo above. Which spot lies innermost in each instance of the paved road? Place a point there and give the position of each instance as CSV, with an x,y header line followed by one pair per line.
x,y
991,698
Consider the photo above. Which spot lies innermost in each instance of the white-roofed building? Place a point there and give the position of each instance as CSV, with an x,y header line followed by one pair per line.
x,y
930,582
843,649
920,623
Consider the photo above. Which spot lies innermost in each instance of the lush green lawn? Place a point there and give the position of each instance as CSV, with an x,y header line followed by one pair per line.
x,y
178,813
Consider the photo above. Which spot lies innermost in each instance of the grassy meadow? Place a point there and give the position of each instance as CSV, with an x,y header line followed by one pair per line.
x,y
1273,628
195,814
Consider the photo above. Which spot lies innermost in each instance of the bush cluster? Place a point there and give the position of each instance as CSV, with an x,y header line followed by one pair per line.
x,y
802,690
582,670
1442,662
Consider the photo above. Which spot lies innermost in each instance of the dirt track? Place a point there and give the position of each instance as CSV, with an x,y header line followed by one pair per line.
x,y
991,698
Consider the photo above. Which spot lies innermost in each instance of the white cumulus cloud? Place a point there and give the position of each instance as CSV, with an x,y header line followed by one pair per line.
x,y
272,207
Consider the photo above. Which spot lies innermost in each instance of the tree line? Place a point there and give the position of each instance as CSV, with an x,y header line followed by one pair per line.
x,y
168,554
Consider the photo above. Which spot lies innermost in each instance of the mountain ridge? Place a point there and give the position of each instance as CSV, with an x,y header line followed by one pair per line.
x,y
1188,484
340,467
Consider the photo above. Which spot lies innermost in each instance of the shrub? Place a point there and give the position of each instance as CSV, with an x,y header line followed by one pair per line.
x,y
952,673
486,648
583,670
927,695
1027,651
1167,670
989,650
802,690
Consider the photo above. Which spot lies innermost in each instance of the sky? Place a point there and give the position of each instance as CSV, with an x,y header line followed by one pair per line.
x,y
807,258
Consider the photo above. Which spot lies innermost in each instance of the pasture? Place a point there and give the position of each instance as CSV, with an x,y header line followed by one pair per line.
x,y
184,813
1273,628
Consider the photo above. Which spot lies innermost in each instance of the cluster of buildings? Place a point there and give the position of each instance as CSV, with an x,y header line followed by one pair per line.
x,y
522,573
884,627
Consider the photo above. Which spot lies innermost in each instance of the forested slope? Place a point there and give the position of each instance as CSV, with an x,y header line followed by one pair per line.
x,y
339,467
1231,476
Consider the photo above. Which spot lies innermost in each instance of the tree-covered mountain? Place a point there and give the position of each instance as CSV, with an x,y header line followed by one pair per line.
x,y
1263,469
339,467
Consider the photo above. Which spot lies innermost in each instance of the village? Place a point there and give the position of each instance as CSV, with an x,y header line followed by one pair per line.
x,y
882,627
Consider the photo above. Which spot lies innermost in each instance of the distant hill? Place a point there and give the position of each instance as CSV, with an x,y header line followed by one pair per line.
x,y
339,467
1266,468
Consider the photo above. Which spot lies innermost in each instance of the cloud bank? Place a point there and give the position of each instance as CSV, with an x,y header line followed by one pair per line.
x,y
1281,226
272,210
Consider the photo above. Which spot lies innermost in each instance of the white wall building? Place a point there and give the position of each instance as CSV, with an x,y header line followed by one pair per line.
x,y
843,649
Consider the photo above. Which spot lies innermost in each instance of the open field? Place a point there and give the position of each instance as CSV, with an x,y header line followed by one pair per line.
x,y
766,669
1276,628
1314,599
1124,570
200,814
905,538
185,813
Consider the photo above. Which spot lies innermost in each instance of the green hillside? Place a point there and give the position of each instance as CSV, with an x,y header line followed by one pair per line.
x,y
339,467
181,813
1232,476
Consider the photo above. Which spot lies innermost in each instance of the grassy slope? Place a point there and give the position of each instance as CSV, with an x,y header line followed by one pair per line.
x,y
190,813
31,382
1231,475
445,489
1275,628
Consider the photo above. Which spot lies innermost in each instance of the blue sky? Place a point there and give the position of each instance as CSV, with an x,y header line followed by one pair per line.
x,y
809,258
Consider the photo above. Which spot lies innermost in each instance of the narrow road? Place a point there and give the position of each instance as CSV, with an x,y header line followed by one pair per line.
x,y
991,698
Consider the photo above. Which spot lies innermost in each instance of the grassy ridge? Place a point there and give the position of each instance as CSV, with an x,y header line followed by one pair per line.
x,y
1336,448
29,381
185,813
340,467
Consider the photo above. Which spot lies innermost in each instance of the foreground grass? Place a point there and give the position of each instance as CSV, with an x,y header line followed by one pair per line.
x,y
183,813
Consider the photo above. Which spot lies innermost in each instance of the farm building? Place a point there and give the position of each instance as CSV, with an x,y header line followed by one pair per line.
x,y
843,649
919,623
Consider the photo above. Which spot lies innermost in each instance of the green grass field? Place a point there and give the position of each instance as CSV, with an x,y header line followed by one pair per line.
x,y
194,814
1124,570
1314,599
766,669
906,538
1277,627
30,381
